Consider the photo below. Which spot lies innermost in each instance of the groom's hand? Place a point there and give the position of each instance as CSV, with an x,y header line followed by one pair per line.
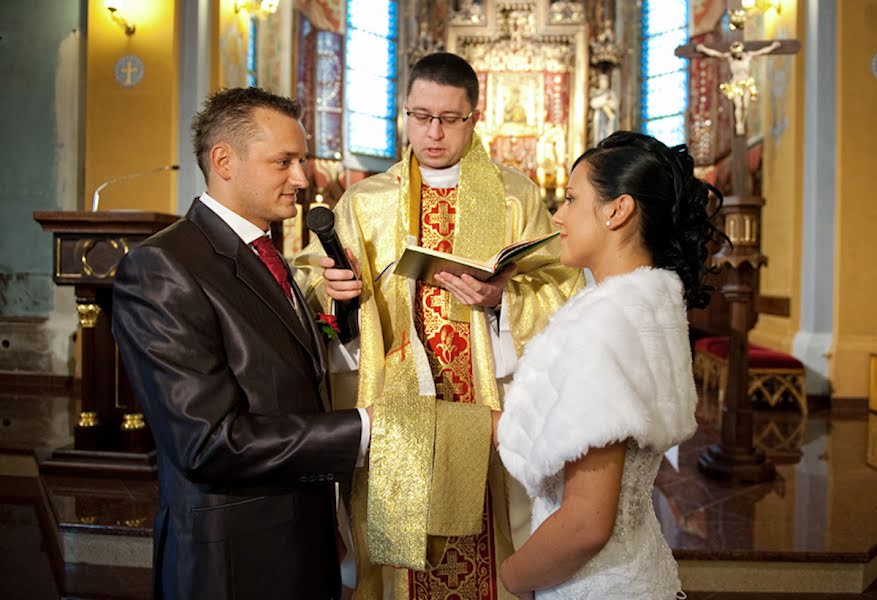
x,y
470,291
342,284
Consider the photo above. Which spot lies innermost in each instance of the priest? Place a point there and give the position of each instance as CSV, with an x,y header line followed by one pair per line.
x,y
430,514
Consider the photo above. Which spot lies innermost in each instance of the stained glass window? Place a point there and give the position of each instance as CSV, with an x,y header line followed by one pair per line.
x,y
370,77
664,94
329,98
252,52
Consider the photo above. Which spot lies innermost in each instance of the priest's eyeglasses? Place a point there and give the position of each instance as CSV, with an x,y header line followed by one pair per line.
x,y
425,119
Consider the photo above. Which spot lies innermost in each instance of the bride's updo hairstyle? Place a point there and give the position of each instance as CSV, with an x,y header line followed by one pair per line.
x,y
674,222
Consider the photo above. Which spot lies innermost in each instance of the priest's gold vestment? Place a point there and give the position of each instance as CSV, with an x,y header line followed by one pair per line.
x,y
426,362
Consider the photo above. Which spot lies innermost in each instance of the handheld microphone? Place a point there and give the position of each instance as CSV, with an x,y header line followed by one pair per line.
x,y
321,221
95,200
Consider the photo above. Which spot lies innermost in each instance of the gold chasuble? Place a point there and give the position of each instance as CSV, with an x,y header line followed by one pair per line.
x,y
423,506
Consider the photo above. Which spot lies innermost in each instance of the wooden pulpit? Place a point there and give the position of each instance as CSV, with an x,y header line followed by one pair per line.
x,y
110,436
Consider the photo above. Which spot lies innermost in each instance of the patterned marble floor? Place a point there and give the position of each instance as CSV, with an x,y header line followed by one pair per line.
x,y
820,507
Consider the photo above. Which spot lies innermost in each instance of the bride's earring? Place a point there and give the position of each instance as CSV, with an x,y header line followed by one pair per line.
x,y
608,222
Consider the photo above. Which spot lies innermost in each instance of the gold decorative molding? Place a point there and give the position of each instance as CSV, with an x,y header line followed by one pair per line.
x,y
120,245
88,419
133,422
605,51
742,228
551,54
565,12
469,13
88,315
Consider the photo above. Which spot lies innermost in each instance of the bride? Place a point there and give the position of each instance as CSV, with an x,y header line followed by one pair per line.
x,y
607,388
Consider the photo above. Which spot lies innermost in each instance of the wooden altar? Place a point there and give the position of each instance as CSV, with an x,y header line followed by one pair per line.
x,y
110,437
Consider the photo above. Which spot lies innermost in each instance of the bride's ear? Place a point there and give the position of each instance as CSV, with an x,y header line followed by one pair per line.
x,y
619,211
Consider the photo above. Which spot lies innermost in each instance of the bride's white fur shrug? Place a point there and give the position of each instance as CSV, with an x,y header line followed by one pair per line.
x,y
613,363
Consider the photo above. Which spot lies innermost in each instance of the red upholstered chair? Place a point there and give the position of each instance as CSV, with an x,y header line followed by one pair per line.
x,y
773,375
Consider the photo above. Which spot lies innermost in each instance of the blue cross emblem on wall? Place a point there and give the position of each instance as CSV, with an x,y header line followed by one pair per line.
x,y
128,70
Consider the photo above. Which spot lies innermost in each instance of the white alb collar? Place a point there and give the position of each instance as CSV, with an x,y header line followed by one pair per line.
x,y
448,177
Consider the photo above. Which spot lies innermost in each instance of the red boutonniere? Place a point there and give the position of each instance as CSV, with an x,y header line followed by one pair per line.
x,y
328,324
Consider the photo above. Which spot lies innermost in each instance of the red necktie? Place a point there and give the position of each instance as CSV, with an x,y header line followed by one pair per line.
x,y
269,255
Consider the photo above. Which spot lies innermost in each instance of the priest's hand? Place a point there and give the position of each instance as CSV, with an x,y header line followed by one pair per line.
x,y
342,284
470,291
370,411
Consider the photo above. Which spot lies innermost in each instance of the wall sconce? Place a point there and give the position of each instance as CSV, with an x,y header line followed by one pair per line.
x,y
260,8
113,6
762,5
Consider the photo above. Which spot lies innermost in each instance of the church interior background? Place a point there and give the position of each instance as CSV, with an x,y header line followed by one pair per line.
x,y
87,100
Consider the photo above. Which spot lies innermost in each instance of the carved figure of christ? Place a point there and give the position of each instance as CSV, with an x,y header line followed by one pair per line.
x,y
740,89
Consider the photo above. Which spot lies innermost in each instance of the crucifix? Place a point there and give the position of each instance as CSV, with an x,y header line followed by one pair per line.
x,y
735,457
740,89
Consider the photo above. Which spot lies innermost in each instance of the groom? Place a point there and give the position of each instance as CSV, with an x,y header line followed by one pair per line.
x,y
228,366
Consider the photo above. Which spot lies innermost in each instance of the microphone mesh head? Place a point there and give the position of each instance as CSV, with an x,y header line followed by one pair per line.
x,y
320,220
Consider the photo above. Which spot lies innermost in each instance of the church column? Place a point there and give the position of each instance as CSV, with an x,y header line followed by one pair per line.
x,y
196,32
813,338
854,326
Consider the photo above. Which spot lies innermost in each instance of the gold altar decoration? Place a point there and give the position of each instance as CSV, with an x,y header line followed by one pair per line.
x,y
532,63
88,314
469,12
132,421
88,418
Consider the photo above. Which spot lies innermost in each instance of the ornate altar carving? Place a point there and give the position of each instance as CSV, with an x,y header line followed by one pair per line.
x,y
468,12
605,53
605,107
564,12
531,60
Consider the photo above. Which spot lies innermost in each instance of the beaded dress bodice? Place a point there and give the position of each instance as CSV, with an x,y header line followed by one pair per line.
x,y
636,561
613,364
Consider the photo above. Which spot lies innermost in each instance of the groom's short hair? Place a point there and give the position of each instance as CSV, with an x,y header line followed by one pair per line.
x,y
227,116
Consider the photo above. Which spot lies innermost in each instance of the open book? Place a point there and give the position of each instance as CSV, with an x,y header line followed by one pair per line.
x,y
423,263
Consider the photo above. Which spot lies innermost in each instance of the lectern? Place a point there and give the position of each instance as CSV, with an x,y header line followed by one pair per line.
x,y
110,436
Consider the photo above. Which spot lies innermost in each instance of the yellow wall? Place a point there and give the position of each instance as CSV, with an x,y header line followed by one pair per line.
x,y
783,179
855,290
132,129
231,48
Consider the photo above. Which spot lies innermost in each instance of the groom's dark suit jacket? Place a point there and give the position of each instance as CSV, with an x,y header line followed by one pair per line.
x,y
231,384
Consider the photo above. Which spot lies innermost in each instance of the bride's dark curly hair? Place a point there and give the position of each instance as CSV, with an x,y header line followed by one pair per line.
x,y
675,222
